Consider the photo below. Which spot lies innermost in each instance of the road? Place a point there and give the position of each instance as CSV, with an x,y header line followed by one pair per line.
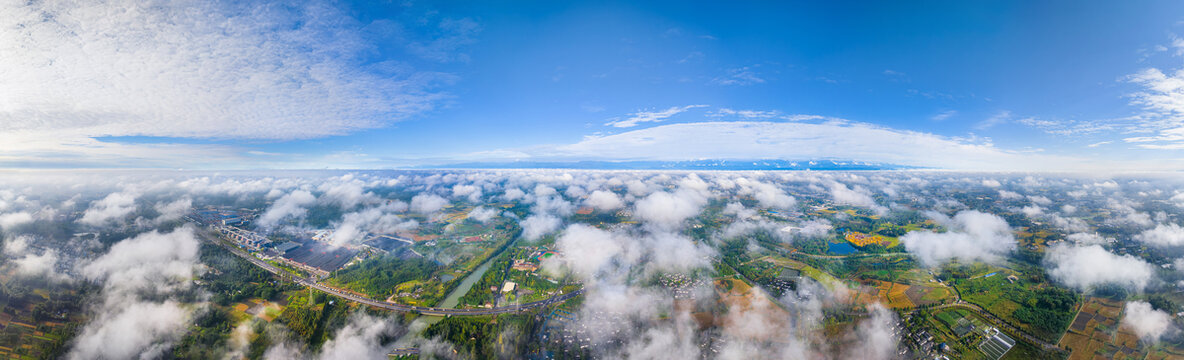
x,y
433,311
856,256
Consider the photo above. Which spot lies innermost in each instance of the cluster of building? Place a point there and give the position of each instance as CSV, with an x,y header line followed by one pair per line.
x,y
311,253
223,215
532,262
524,265
244,238
681,286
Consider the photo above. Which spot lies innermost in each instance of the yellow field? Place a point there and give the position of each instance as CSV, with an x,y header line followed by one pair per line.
x,y
894,295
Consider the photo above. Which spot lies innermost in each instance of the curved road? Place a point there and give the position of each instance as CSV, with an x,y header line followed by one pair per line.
x,y
398,307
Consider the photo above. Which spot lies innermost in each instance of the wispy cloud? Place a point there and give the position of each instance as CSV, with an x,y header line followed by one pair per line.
x,y
1001,117
747,114
896,75
200,69
650,116
797,140
740,77
1067,127
1162,101
944,115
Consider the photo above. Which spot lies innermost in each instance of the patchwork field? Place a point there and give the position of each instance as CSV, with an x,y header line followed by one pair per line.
x,y
893,294
1095,334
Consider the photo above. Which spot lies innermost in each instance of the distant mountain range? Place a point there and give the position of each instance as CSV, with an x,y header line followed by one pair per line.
x,y
681,165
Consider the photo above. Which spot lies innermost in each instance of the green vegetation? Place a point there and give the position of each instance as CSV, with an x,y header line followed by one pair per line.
x,y
378,277
487,337
232,279
1042,309
207,338
44,331
480,293
1049,310
313,319
1025,351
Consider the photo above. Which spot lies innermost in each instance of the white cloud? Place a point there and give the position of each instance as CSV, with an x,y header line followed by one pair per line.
x,y
470,192
359,339
740,76
816,228
668,210
37,265
113,207
747,114
767,195
147,261
346,191
858,196
943,115
794,140
1162,98
173,210
10,220
876,336
650,116
588,251
1010,195
71,71
604,200
1088,239
537,225
377,220
427,203
17,245
128,324
134,330
972,235
1163,235
483,214
30,264
291,205
999,118
1083,267
1148,323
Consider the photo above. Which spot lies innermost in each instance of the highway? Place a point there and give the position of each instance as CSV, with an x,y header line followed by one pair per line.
x,y
433,311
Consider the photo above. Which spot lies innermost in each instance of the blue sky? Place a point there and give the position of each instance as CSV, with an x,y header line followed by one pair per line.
x,y
989,85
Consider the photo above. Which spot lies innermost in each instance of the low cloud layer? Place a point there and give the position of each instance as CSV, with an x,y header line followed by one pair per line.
x,y
1146,322
1084,267
293,204
1163,235
129,322
972,236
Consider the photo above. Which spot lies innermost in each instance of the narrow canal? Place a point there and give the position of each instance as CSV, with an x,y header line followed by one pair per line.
x,y
453,298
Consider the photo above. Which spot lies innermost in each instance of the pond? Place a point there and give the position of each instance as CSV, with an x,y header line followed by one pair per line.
x,y
841,248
